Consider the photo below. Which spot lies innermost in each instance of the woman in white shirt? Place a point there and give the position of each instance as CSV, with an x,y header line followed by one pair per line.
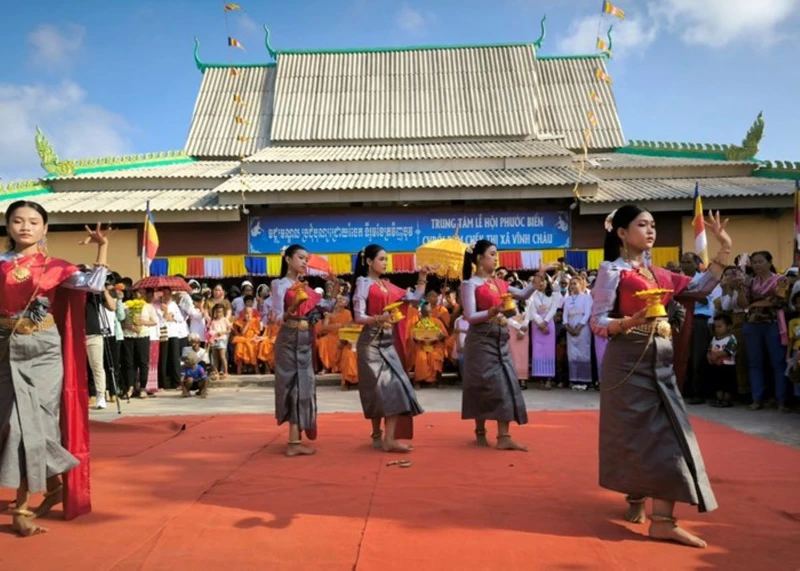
x,y
577,312
541,312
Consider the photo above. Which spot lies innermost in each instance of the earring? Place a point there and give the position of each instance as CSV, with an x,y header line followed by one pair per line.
x,y
624,251
43,244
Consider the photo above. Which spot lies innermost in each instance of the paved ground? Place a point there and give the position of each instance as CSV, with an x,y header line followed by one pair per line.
x,y
783,428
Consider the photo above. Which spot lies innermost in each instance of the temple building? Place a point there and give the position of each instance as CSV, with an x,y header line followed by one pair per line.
x,y
335,149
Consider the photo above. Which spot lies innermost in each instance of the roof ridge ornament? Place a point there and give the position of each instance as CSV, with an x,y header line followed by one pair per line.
x,y
749,146
273,54
608,53
200,65
49,158
538,43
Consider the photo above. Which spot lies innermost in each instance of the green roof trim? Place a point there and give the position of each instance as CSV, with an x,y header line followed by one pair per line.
x,y
135,165
332,51
779,169
577,56
5,195
203,66
673,150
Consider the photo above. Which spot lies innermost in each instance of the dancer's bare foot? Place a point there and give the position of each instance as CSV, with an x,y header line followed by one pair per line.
x,y
504,442
480,439
51,500
299,450
22,522
395,447
377,440
665,528
636,510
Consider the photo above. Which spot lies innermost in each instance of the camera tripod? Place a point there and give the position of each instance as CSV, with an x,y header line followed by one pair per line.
x,y
108,356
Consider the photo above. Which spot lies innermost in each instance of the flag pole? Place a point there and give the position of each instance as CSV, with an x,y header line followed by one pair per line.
x,y
142,258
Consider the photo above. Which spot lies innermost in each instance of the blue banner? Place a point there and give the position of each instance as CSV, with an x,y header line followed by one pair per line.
x,y
405,232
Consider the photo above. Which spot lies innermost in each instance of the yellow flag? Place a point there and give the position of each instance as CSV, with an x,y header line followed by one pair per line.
x,y
596,98
602,76
592,118
234,43
603,46
238,99
241,121
241,138
234,73
609,8
230,7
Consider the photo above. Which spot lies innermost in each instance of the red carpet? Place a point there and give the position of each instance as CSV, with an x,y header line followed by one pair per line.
x,y
220,495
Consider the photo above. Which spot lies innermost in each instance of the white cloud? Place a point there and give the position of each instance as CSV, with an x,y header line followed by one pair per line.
x,y
628,36
75,127
247,24
413,21
719,23
55,47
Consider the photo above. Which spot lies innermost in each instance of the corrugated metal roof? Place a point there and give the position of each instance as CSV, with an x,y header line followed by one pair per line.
x,y
683,188
565,85
544,176
214,130
128,201
421,151
610,161
197,169
395,95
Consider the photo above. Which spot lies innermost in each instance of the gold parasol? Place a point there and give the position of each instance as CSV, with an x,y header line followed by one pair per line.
x,y
445,256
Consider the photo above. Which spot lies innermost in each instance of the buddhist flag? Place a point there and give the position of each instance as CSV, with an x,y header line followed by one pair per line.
x,y
149,241
700,241
234,73
234,43
609,8
603,46
602,76
238,99
230,7
241,121
241,138
592,118
596,98
797,214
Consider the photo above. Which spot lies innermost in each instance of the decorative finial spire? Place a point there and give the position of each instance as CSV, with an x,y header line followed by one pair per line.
x,y
49,158
272,53
538,43
200,65
749,146
610,51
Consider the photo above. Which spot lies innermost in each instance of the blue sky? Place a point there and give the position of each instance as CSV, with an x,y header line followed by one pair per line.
x,y
107,77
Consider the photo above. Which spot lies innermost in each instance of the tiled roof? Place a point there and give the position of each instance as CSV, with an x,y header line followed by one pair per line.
x,y
611,161
395,95
214,130
545,176
565,85
420,151
194,169
127,201
683,188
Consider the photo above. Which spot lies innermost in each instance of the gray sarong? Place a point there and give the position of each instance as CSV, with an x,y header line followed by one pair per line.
x,y
295,385
491,390
647,446
31,378
383,385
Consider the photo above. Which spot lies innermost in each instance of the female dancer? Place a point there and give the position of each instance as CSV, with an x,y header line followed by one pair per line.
x,y
36,377
647,446
384,388
490,387
295,385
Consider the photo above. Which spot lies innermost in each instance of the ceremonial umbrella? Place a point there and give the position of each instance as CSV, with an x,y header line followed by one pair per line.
x,y
159,282
445,256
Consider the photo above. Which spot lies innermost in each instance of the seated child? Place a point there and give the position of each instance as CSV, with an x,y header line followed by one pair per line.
x,y
194,377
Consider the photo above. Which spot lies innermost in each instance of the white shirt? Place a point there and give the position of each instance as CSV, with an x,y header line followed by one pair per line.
x,y
202,354
542,309
176,328
463,325
197,323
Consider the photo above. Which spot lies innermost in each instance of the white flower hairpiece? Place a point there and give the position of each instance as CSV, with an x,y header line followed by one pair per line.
x,y
609,223
283,249
471,247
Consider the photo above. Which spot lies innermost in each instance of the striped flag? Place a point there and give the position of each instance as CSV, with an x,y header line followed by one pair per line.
x,y
797,214
602,76
592,118
230,7
234,73
609,8
700,241
596,98
241,121
241,138
149,242
234,43
238,99
603,46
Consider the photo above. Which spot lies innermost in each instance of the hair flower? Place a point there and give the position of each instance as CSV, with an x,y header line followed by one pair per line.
x,y
609,223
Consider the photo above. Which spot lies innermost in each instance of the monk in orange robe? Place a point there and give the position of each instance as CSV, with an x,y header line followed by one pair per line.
x,y
328,335
413,319
429,361
266,344
246,333
438,310
348,364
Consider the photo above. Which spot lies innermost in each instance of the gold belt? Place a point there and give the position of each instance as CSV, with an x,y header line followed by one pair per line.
x,y
299,324
659,328
24,325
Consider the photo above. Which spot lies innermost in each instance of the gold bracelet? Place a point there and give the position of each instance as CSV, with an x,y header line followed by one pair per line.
x,y
100,265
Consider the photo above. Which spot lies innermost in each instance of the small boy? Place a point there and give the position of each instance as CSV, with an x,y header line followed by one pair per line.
x,y
722,357
194,377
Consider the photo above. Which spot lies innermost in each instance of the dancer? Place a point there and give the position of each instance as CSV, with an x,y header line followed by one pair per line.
x,y
647,446
42,367
295,306
384,388
490,387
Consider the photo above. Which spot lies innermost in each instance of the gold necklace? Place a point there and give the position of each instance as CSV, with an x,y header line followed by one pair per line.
x,y
20,273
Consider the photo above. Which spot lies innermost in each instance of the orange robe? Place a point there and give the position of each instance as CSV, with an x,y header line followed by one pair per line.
x,y
328,338
348,364
413,319
266,348
244,340
442,314
429,364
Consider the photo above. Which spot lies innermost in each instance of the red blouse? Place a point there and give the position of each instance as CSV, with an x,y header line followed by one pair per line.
x,y
377,299
488,294
631,281
15,296
305,307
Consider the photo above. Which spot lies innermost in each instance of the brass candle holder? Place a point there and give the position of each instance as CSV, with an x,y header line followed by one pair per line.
x,y
300,292
509,306
394,310
653,302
